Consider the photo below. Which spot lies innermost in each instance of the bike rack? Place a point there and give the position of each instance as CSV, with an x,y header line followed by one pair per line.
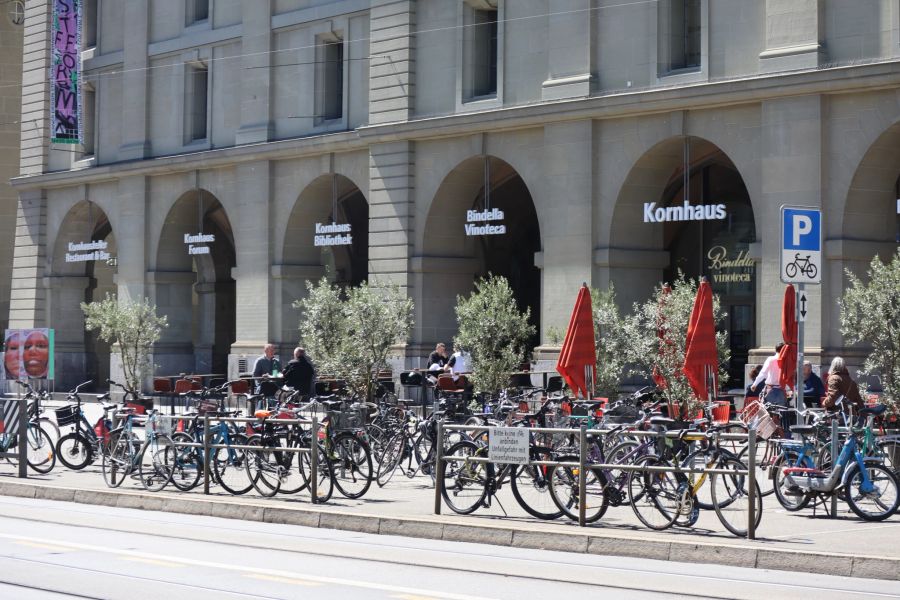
x,y
21,455
207,445
583,434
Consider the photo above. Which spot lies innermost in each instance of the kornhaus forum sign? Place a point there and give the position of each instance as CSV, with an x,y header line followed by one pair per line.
x,y
66,122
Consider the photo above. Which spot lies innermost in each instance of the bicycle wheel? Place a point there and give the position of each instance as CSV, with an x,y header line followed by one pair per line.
x,y
377,438
731,496
39,450
391,457
156,464
564,491
889,450
424,452
188,465
878,503
118,462
228,466
699,482
74,451
351,465
766,453
656,497
293,479
262,467
50,428
465,482
811,271
531,487
791,270
324,481
790,499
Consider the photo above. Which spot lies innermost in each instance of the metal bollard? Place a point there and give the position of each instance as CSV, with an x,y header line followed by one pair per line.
x,y
438,466
23,438
751,476
834,456
314,462
206,458
582,476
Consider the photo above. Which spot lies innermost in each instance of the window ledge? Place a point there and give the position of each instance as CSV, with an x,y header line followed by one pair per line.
x,y
687,75
481,103
85,162
195,145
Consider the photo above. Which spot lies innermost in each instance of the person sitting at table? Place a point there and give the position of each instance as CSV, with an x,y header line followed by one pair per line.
x,y
813,388
437,362
300,372
265,367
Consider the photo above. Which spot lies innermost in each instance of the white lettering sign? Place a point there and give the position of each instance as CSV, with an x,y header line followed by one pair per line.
x,y
474,217
200,238
87,251
330,234
508,445
682,212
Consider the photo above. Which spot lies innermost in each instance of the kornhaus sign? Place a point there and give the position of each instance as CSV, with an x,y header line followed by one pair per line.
x,y
333,234
87,251
482,222
194,242
683,212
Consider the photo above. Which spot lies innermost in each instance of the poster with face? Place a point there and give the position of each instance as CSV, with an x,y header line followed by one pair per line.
x,y
28,354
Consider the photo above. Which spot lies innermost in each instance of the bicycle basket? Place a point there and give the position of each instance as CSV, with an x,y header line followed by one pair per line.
x,y
755,415
351,418
206,406
67,415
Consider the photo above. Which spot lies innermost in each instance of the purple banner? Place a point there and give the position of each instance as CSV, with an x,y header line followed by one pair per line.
x,y
65,67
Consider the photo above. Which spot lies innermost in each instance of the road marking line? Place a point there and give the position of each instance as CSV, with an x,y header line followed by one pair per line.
x,y
153,561
251,570
412,597
53,547
290,580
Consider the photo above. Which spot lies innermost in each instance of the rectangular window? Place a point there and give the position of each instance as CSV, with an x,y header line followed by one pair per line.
x,y
88,112
89,23
330,80
196,11
196,88
684,34
480,51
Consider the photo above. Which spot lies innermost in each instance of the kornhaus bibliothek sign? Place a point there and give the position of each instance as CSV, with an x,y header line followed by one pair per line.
x,y
330,235
683,212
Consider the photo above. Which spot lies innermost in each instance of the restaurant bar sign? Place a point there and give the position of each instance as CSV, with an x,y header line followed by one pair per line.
x,y
196,244
65,78
87,251
332,234
726,269
484,222
683,212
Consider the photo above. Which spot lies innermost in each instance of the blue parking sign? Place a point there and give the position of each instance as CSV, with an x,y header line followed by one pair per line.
x,y
801,244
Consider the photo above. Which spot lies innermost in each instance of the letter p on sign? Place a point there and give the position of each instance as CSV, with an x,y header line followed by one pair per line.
x,y
801,245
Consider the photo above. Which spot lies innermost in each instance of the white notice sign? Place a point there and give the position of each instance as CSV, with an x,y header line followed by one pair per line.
x,y
508,445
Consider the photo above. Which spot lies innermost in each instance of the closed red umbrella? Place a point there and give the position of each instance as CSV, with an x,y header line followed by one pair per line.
x,y
701,356
578,350
787,357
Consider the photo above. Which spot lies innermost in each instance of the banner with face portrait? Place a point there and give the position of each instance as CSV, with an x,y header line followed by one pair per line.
x,y
28,354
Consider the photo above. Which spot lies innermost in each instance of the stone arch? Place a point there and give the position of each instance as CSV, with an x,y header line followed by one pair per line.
x,y
193,285
327,198
450,261
75,275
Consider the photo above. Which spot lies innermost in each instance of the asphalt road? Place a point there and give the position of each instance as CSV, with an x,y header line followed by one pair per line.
x,y
63,550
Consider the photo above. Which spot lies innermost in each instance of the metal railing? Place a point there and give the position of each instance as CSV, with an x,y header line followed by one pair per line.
x,y
583,464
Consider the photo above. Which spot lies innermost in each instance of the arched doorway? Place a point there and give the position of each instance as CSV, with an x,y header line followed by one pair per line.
x,y
82,270
451,259
194,286
328,199
685,205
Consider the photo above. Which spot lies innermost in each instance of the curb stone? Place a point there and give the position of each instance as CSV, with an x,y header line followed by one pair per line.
x,y
872,567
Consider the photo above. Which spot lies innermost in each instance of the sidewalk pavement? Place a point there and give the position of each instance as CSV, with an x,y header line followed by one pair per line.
x,y
786,541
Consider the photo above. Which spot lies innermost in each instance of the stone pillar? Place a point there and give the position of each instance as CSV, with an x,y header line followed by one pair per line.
x,y
289,285
256,105
65,295
171,292
206,327
27,306
571,50
567,180
254,300
791,145
390,212
392,60
795,35
130,234
135,79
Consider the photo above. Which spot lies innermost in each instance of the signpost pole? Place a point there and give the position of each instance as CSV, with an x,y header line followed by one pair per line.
x,y
801,323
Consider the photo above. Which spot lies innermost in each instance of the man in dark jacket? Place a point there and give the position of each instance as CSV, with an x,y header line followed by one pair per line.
x,y
813,388
299,373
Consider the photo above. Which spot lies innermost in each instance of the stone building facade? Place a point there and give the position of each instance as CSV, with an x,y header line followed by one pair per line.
x,y
253,121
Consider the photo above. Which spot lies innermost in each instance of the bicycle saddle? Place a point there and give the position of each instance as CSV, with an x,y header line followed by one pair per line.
x,y
665,421
332,404
803,429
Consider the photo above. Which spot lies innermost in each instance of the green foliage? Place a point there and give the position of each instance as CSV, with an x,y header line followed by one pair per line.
x,y
555,336
132,328
493,331
870,313
670,312
350,335
610,341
